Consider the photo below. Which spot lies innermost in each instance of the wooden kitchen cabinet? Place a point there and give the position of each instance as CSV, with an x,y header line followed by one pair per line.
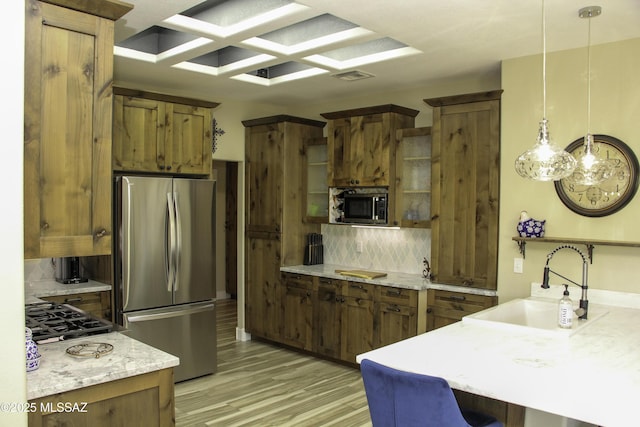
x,y
447,307
412,206
275,230
357,319
328,318
148,397
297,310
361,145
339,318
67,123
465,176
161,134
262,281
401,313
97,304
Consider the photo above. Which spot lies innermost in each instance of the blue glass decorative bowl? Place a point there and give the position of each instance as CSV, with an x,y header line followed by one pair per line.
x,y
531,228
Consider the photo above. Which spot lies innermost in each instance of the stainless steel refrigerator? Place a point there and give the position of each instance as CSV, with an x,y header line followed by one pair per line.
x,y
164,258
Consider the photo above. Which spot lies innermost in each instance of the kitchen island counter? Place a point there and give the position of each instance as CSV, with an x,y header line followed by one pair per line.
x,y
59,372
591,376
392,279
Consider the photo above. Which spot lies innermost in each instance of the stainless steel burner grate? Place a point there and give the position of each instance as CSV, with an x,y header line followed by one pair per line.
x,y
50,320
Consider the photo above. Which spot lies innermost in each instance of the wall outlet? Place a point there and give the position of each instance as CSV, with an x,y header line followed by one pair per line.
x,y
517,265
359,246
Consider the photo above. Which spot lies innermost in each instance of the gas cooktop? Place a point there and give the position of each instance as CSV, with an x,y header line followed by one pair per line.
x,y
50,320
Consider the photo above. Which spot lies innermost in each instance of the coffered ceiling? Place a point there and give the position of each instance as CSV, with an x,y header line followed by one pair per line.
x,y
291,52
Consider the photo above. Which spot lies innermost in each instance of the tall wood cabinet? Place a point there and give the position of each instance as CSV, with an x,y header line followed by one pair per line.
x,y
67,123
465,167
161,134
275,232
361,144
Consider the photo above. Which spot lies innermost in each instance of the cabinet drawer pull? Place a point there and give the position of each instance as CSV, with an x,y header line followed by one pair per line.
x,y
393,308
394,292
357,287
68,300
457,297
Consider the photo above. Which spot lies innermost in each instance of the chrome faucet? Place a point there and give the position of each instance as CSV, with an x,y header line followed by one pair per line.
x,y
584,302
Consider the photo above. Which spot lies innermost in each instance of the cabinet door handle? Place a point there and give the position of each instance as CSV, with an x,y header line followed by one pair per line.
x,y
101,233
429,310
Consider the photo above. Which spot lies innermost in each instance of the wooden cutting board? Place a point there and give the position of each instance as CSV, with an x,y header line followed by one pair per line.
x,y
363,274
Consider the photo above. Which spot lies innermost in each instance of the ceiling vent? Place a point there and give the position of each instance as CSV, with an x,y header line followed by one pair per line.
x,y
352,75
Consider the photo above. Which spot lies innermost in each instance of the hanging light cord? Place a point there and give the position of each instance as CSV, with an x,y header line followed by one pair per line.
x,y
589,77
544,64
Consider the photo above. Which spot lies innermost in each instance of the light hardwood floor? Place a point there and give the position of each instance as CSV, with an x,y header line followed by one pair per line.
x,y
258,384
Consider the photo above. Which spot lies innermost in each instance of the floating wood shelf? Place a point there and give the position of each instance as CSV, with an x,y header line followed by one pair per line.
x,y
589,243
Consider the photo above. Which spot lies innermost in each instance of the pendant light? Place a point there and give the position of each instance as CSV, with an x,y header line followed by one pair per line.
x,y
545,161
591,169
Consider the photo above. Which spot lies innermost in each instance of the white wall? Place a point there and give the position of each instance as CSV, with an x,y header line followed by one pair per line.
x,y
12,356
615,109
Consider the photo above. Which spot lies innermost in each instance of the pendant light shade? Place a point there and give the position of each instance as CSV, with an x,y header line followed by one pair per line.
x,y
591,168
545,161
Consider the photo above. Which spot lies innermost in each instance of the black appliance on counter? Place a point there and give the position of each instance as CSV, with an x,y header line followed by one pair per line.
x,y
69,270
62,321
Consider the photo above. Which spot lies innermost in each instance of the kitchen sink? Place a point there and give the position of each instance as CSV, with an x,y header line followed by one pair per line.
x,y
532,315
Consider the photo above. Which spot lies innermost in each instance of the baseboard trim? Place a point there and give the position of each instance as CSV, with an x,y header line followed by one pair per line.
x,y
242,335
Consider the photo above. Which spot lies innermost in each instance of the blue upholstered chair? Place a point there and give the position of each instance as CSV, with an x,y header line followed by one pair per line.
x,y
404,399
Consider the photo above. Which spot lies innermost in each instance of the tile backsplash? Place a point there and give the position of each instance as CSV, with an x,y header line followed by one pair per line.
x,y
382,248
38,269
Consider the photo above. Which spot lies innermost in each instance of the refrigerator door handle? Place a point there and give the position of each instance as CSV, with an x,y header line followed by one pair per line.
x,y
178,241
172,242
126,259
133,318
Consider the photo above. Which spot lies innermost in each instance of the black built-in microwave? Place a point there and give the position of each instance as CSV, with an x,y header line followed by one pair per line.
x,y
365,208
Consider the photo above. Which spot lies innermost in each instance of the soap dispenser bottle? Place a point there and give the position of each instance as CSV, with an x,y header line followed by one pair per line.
x,y
565,310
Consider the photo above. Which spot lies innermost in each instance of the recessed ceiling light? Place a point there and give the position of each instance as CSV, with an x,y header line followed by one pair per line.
x,y
352,75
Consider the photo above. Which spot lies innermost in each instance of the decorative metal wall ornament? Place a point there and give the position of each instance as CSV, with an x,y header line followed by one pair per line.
x,y
216,133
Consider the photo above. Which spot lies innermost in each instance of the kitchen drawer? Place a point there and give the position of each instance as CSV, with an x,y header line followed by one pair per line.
x,y
446,307
359,290
399,296
295,279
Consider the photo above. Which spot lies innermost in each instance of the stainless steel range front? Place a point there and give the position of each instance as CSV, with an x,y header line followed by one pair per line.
x,y
51,322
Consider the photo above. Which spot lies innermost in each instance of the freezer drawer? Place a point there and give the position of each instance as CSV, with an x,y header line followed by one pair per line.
x,y
187,331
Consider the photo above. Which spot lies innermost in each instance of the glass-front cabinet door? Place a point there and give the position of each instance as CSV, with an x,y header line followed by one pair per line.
x,y
413,177
317,190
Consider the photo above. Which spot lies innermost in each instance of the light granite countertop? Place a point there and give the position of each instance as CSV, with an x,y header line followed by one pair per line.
x,y
393,279
591,376
60,372
47,288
